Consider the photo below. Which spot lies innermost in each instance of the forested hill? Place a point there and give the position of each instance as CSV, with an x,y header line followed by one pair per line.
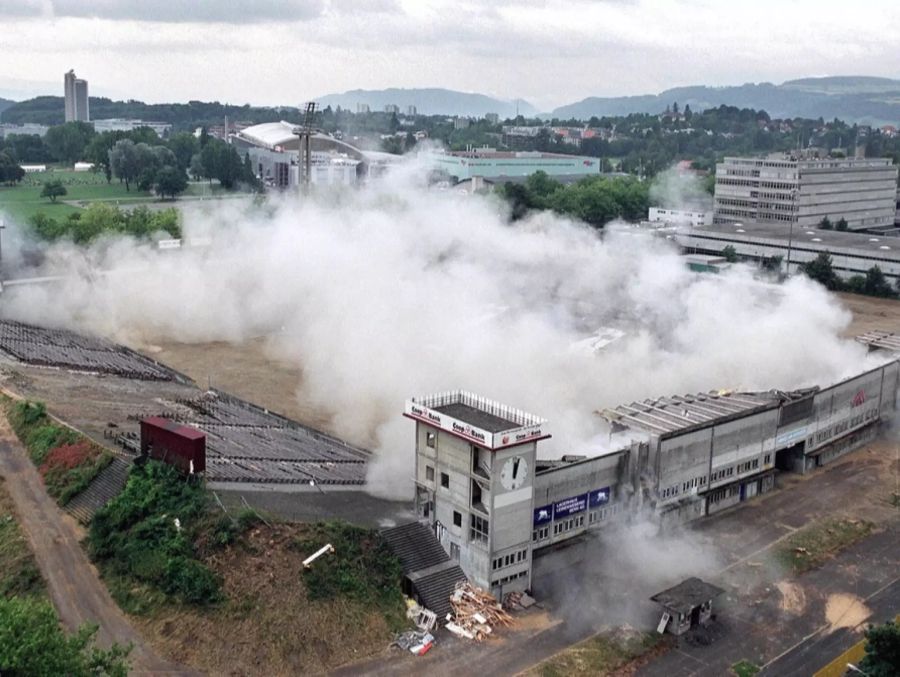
x,y
49,110
863,100
5,103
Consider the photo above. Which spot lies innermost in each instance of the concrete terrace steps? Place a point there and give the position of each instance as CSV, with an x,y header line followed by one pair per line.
x,y
105,487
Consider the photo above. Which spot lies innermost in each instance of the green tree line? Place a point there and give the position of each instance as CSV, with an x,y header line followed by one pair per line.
x,y
103,218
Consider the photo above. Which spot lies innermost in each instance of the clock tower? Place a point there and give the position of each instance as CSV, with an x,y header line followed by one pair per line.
x,y
475,468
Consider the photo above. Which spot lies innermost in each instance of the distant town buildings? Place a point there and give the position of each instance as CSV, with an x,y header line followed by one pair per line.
x,y
392,108
411,110
127,125
493,118
491,164
362,108
805,190
25,129
681,217
461,123
77,102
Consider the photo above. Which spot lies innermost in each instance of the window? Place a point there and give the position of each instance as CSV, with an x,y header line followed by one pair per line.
x,y
429,473
478,530
457,519
445,480
767,459
476,497
540,534
430,439
454,551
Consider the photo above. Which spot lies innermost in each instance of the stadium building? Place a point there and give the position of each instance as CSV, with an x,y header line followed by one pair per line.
x,y
274,151
492,501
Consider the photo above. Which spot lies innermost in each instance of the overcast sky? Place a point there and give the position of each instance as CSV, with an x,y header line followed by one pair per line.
x,y
548,52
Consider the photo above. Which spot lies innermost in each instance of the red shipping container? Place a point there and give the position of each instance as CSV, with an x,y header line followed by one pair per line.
x,y
173,443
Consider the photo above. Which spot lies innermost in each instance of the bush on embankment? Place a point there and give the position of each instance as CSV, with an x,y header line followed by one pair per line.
x,y
67,460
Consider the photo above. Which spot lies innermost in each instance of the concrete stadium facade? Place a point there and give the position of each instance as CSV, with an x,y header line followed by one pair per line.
x,y
492,502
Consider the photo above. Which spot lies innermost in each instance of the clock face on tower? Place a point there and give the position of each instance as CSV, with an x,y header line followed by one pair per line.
x,y
514,473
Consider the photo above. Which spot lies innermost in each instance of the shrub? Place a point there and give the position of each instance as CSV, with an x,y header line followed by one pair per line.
x,y
135,536
363,566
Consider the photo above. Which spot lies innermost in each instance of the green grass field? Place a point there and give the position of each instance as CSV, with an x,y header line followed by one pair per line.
x,y
24,200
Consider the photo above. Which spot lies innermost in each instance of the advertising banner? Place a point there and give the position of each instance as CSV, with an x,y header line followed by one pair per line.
x,y
543,515
570,506
599,497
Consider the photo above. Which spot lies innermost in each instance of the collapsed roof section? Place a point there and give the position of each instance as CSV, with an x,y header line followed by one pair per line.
x,y
665,416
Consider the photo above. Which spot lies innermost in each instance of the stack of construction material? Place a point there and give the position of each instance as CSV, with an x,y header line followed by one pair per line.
x,y
475,613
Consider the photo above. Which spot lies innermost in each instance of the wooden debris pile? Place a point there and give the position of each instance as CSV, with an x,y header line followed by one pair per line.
x,y
475,613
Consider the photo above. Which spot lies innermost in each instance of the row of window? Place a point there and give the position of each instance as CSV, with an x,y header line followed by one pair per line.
x,y
429,476
721,494
511,558
568,524
511,577
776,185
748,465
594,516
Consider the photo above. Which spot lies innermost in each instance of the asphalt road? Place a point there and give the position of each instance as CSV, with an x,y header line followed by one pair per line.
x,y
72,581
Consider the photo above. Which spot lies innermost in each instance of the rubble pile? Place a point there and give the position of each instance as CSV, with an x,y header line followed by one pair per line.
x,y
475,613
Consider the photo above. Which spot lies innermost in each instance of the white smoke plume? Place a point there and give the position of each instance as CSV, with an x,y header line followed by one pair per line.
x,y
394,291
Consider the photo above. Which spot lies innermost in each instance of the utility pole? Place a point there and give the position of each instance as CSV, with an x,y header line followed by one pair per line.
x,y
304,134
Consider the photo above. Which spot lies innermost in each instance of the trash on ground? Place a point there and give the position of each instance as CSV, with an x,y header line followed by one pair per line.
x,y
475,612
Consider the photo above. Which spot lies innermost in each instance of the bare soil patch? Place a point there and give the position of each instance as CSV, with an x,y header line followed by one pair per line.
x,y
843,610
268,625
870,313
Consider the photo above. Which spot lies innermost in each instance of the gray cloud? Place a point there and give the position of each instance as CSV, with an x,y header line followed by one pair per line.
x,y
169,11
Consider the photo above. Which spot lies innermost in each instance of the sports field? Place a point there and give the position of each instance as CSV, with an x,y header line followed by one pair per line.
x,y
24,200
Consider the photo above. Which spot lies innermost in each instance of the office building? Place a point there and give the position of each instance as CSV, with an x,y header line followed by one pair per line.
x,y
76,98
799,190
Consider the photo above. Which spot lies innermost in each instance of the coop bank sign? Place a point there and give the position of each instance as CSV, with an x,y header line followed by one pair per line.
x,y
471,433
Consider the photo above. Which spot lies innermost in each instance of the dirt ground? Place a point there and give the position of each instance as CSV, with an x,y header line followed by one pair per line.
x,y
870,313
267,626
72,582
248,370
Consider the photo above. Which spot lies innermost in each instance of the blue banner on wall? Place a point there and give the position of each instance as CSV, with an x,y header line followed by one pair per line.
x,y
599,497
543,515
570,506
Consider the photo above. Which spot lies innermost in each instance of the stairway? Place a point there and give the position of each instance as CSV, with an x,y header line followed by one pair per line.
x,y
105,487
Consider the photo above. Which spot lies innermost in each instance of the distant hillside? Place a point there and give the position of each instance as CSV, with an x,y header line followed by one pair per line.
x,y
431,101
49,110
854,99
5,103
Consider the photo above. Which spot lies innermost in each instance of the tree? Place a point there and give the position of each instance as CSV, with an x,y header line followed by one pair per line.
x,y
32,642
53,189
170,181
10,171
124,161
184,145
197,170
730,254
876,283
821,271
67,142
825,224
882,650
841,224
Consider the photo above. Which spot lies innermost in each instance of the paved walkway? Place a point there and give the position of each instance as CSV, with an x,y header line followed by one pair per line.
x,y
72,581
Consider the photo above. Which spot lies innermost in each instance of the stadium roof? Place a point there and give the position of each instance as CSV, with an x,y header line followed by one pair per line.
x,y
283,135
679,413
883,340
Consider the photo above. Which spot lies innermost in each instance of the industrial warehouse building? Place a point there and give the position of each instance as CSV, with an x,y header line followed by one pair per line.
x,y
804,190
492,502
492,164
851,253
274,151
